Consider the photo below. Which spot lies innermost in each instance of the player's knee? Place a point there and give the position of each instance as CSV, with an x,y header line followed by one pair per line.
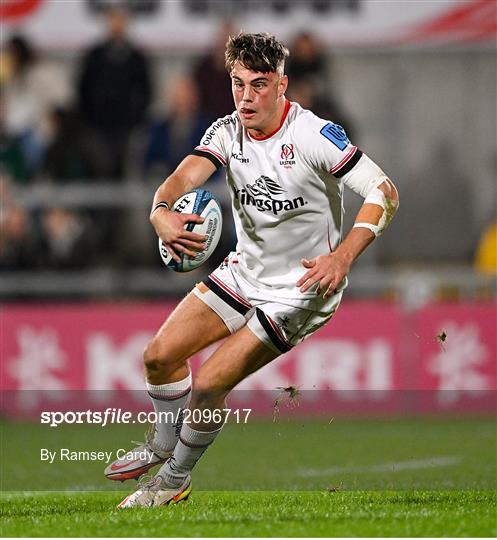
x,y
207,392
158,357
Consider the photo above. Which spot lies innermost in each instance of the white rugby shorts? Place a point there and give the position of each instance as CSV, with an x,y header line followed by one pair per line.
x,y
280,323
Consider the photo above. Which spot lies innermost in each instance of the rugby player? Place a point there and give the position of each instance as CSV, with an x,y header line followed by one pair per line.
x,y
285,169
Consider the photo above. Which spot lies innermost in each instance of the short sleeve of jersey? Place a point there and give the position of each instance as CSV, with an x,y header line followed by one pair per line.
x,y
327,146
214,142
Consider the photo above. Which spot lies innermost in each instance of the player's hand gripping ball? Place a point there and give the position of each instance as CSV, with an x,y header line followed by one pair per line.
x,y
204,204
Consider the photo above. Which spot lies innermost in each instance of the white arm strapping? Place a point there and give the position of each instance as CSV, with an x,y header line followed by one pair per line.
x,y
364,179
390,206
373,228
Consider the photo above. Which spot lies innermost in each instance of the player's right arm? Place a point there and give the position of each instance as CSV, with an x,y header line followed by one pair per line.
x,y
332,152
190,174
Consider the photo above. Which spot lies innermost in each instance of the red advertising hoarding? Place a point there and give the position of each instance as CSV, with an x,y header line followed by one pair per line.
x,y
371,358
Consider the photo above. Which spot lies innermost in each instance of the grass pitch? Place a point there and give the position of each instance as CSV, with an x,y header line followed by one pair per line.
x,y
418,477
211,514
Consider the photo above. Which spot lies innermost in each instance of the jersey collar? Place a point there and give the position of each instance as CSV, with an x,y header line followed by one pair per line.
x,y
283,118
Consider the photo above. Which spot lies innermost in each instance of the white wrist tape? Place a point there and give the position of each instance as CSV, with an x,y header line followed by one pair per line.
x,y
373,228
376,196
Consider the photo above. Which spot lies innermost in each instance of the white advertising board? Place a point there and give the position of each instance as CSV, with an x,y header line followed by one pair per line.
x,y
192,24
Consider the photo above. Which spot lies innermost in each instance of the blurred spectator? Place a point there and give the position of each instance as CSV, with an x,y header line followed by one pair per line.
x,y
70,155
6,196
67,241
309,83
173,137
212,79
307,61
11,153
114,92
30,88
305,93
18,245
486,253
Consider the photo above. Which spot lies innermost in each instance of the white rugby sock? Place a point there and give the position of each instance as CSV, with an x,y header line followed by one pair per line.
x,y
169,398
189,449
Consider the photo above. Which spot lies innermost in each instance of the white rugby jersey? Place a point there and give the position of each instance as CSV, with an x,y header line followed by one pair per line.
x,y
286,192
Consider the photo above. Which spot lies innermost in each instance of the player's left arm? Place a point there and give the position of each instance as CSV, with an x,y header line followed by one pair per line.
x,y
381,200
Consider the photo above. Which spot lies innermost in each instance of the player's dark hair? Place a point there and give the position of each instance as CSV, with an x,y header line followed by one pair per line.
x,y
257,52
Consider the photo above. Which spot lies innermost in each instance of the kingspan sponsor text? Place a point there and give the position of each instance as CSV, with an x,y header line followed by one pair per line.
x,y
265,204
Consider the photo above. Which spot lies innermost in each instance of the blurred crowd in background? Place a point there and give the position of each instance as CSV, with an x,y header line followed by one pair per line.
x,y
100,127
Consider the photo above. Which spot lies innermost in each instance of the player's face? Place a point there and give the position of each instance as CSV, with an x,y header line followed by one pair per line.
x,y
258,97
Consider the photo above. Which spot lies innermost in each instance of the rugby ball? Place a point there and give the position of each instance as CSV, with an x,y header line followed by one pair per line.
x,y
204,204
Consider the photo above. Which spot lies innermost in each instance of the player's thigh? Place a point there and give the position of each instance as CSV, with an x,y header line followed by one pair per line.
x,y
191,327
239,356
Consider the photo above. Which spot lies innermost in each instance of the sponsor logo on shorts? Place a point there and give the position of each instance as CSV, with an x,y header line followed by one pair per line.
x,y
262,194
284,323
